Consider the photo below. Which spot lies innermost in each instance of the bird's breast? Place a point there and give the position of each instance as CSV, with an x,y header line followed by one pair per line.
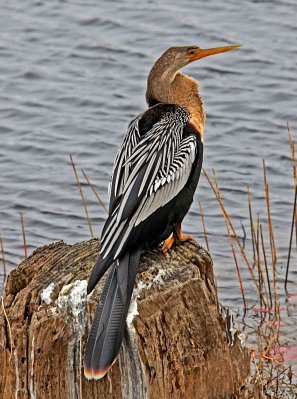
x,y
197,119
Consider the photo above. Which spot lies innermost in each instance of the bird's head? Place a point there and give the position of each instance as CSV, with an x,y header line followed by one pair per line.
x,y
171,61
176,58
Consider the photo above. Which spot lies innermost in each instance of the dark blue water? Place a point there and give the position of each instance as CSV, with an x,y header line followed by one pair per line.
x,y
73,74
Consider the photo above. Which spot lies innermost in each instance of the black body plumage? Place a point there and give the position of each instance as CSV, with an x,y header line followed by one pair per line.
x,y
155,175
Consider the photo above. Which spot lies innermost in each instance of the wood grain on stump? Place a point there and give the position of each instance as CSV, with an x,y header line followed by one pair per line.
x,y
175,344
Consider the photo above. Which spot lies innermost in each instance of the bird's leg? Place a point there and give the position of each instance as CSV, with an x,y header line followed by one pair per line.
x,y
177,233
176,238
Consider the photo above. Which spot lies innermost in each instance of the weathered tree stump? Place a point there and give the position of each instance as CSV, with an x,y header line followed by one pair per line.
x,y
175,344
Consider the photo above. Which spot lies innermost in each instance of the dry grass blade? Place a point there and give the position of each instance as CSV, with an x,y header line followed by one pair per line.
x,y
291,238
95,192
265,263
3,259
251,222
292,146
271,234
244,232
231,244
235,235
82,197
294,219
24,235
204,228
294,164
237,267
259,263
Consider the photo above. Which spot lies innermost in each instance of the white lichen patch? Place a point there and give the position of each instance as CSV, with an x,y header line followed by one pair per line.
x,y
157,279
46,293
73,300
73,297
133,311
132,369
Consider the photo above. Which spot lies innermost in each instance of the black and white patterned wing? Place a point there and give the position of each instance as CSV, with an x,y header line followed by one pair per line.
x,y
121,169
159,168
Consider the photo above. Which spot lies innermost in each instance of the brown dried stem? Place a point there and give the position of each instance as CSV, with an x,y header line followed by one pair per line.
x,y
204,227
251,222
259,263
292,146
231,244
294,218
94,191
82,197
265,263
291,237
271,234
235,235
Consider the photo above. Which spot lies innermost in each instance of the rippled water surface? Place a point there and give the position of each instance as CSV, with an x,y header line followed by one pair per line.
x,y
72,75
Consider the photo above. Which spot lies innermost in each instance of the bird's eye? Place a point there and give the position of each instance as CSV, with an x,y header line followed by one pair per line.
x,y
191,52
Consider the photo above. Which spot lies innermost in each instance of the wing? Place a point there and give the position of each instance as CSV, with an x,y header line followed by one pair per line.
x,y
158,168
121,169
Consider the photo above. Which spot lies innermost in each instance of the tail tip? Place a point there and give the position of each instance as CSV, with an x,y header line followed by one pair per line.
x,y
92,374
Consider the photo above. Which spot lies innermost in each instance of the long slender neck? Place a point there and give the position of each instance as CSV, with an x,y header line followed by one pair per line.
x,y
173,87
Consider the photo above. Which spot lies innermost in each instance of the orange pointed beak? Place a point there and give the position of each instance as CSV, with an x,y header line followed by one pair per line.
x,y
201,53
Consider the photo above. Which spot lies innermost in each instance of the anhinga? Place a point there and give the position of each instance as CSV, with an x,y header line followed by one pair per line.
x,y
155,175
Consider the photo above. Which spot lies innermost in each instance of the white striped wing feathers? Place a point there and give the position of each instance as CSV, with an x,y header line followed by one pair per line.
x,y
149,172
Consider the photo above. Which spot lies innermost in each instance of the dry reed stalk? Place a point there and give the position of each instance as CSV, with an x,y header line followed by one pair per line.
x,y
24,235
294,164
8,325
291,237
231,244
95,193
265,263
270,357
235,234
3,260
244,233
292,146
294,218
260,280
82,197
278,375
269,370
237,268
259,263
204,227
271,234
251,221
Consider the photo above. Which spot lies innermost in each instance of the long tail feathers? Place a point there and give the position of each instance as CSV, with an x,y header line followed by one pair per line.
x,y
98,271
108,326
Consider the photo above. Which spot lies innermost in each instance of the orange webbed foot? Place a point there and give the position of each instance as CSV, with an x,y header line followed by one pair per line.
x,y
176,238
179,236
167,244
184,238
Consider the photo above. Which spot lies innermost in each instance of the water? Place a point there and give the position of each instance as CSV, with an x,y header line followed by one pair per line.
x,y
72,75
